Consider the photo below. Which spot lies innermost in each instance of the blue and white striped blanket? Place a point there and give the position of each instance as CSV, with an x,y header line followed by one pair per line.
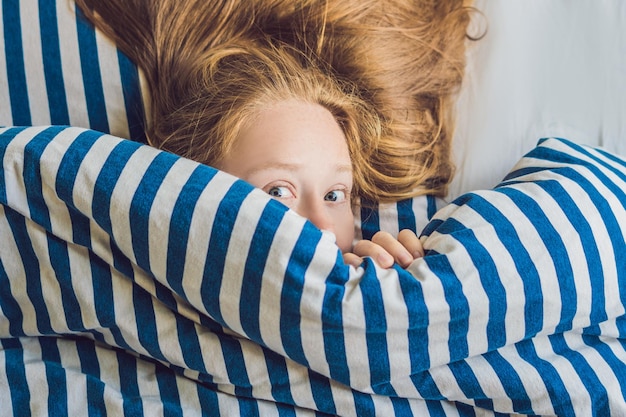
x,y
136,282
133,282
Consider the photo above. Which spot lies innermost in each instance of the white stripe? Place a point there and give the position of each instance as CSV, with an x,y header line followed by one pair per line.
x,y
355,341
33,63
312,299
299,384
278,259
35,369
13,164
600,367
161,211
5,393
199,236
602,238
6,116
76,382
147,383
490,383
388,218
234,264
112,86
12,262
71,64
109,374
579,396
531,380
122,197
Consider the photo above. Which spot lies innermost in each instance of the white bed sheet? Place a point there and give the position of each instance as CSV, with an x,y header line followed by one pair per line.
x,y
544,68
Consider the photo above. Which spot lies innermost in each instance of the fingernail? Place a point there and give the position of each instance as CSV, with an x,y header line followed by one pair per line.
x,y
406,259
385,259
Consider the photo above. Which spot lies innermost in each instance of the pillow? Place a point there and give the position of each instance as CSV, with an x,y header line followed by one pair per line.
x,y
517,306
543,68
56,69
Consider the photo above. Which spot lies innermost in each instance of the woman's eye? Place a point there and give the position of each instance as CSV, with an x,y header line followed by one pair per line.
x,y
279,192
335,195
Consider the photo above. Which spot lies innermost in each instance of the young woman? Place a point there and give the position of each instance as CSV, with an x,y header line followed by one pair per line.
x,y
383,70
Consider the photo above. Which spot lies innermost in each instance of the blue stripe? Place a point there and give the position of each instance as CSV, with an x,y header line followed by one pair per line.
x,y
511,382
332,319
92,77
133,101
599,165
615,232
465,410
66,179
60,262
426,386
107,179
291,292
168,390
55,376
406,215
469,384
207,396
5,139
146,321
14,53
250,299
554,244
370,219
533,308
588,377
417,332
618,367
141,206
432,226
322,393
218,247
453,291
238,374
32,176
11,309
90,367
188,337
104,302
569,171
431,206
376,332
31,268
592,254
559,396
279,378
363,404
16,376
401,406
53,70
129,388
180,224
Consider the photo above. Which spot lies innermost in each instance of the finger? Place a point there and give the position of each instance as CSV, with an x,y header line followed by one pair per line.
x,y
396,249
380,255
352,259
411,242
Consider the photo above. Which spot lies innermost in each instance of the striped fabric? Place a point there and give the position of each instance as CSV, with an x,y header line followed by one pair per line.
x,y
55,69
135,282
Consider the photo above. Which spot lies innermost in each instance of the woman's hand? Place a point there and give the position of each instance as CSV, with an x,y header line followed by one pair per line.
x,y
385,249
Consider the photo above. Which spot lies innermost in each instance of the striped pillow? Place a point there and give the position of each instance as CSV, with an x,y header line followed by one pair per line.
x,y
55,69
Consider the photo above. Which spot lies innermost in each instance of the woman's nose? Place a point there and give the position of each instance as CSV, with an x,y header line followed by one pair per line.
x,y
318,214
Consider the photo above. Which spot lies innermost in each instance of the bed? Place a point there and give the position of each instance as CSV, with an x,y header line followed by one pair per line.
x,y
135,282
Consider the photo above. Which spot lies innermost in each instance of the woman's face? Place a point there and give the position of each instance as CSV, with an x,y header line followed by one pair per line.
x,y
296,152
